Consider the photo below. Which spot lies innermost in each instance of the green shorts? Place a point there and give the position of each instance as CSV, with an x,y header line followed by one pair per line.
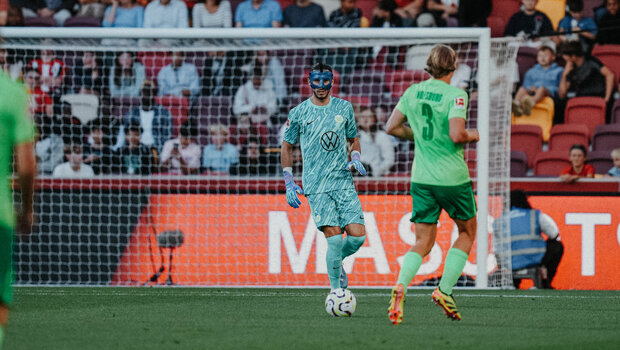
x,y
428,200
6,265
336,208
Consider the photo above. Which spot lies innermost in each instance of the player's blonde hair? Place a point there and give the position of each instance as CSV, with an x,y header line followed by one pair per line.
x,y
441,61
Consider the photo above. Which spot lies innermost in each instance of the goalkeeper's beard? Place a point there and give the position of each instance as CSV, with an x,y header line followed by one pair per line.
x,y
316,94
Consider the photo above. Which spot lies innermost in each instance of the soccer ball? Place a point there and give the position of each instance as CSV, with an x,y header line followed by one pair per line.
x,y
340,302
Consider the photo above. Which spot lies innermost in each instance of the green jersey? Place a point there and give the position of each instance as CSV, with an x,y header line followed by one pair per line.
x,y
322,132
16,127
428,107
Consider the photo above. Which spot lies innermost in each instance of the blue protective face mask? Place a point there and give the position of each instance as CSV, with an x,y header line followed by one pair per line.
x,y
321,77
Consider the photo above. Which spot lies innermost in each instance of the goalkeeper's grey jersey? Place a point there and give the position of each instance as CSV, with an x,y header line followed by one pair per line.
x,y
322,132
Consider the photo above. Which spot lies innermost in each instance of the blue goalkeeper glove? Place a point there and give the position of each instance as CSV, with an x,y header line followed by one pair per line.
x,y
356,164
292,189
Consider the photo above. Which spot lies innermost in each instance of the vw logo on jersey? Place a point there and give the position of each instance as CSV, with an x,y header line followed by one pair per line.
x,y
339,119
330,141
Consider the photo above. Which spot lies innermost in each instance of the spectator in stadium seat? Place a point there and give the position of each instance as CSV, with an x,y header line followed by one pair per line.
x,y
40,101
462,77
441,10
258,14
166,14
88,74
126,76
4,7
347,16
257,98
220,155
49,148
615,170
527,244
530,22
74,167
222,74
378,156
154,119
135,158
576,21
540,81
15,17
303,14
243,130
212,14
179,78
181,155
583,76
90,8
11,65
97,152
123,13
274,72
60,10
408,10
252,160
608,25
578,167
52,71
385,16
474,13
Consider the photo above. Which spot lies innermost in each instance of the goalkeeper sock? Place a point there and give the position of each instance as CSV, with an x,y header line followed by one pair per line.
x,y
410,267
334,260
1,336
351,245
453,267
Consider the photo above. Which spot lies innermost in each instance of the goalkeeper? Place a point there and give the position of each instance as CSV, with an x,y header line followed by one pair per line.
x,y
321,124
436,114
16,142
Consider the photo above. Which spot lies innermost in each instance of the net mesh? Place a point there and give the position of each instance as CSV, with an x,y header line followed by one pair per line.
x,y
177,146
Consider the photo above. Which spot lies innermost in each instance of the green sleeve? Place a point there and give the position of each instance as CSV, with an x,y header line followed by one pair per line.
x,y
458,105
291,134
17,110
351,125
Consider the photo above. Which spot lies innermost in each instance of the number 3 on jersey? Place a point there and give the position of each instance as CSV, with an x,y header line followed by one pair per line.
x,y
427,131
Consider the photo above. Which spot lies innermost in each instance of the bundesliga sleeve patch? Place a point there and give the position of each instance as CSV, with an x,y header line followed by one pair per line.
x,y
459,103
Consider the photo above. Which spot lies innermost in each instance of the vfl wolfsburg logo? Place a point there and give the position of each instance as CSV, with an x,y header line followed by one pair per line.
x,y
330,141
339,119
317,217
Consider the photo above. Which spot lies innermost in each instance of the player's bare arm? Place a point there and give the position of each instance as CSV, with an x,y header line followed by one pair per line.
x,y
26,172
286,154
459,134
396,126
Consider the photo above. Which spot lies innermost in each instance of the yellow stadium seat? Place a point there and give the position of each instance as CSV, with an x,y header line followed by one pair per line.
x,y
554,9
542,115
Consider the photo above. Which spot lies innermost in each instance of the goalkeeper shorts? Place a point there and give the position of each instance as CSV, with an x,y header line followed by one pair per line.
x,y
336,208
428,200
6,265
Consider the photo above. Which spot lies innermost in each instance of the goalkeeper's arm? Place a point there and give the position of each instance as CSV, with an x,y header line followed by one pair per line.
x,y
396,126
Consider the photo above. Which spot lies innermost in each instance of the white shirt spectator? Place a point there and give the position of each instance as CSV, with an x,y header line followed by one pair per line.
x,y
377,151
222,18
173,81
191,155
172,15
66,171
248,97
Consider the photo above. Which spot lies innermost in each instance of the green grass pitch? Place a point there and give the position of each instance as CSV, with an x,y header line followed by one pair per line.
x,y
251,318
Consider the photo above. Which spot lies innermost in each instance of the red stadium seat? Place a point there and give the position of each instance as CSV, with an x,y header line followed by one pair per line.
x,y
526,59
528,139
497,26
504,9
82,21
563,136
153,62
615,112
39,22
400,80
601,161
606,137
518,163
585,110
550,163
610,56
178,108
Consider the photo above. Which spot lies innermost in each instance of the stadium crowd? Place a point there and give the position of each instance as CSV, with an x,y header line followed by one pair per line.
x,y
176,112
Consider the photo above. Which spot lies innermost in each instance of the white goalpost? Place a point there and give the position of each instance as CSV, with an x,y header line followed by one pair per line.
x,y
231,226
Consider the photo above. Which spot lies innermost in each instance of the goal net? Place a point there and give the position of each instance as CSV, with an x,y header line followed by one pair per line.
x,y
158,153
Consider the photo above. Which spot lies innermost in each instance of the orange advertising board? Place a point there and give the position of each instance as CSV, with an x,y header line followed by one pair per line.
x,y
258,240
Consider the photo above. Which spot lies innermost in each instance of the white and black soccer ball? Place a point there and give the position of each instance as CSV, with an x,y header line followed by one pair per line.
x,y
340,303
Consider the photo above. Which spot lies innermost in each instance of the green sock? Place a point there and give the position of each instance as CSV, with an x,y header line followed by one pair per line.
x,y
351,245
1,336
334,260
453,267
410,267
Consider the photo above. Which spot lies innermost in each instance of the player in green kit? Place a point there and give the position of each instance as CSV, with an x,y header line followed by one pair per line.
x,y
16,142
325,127
436,114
